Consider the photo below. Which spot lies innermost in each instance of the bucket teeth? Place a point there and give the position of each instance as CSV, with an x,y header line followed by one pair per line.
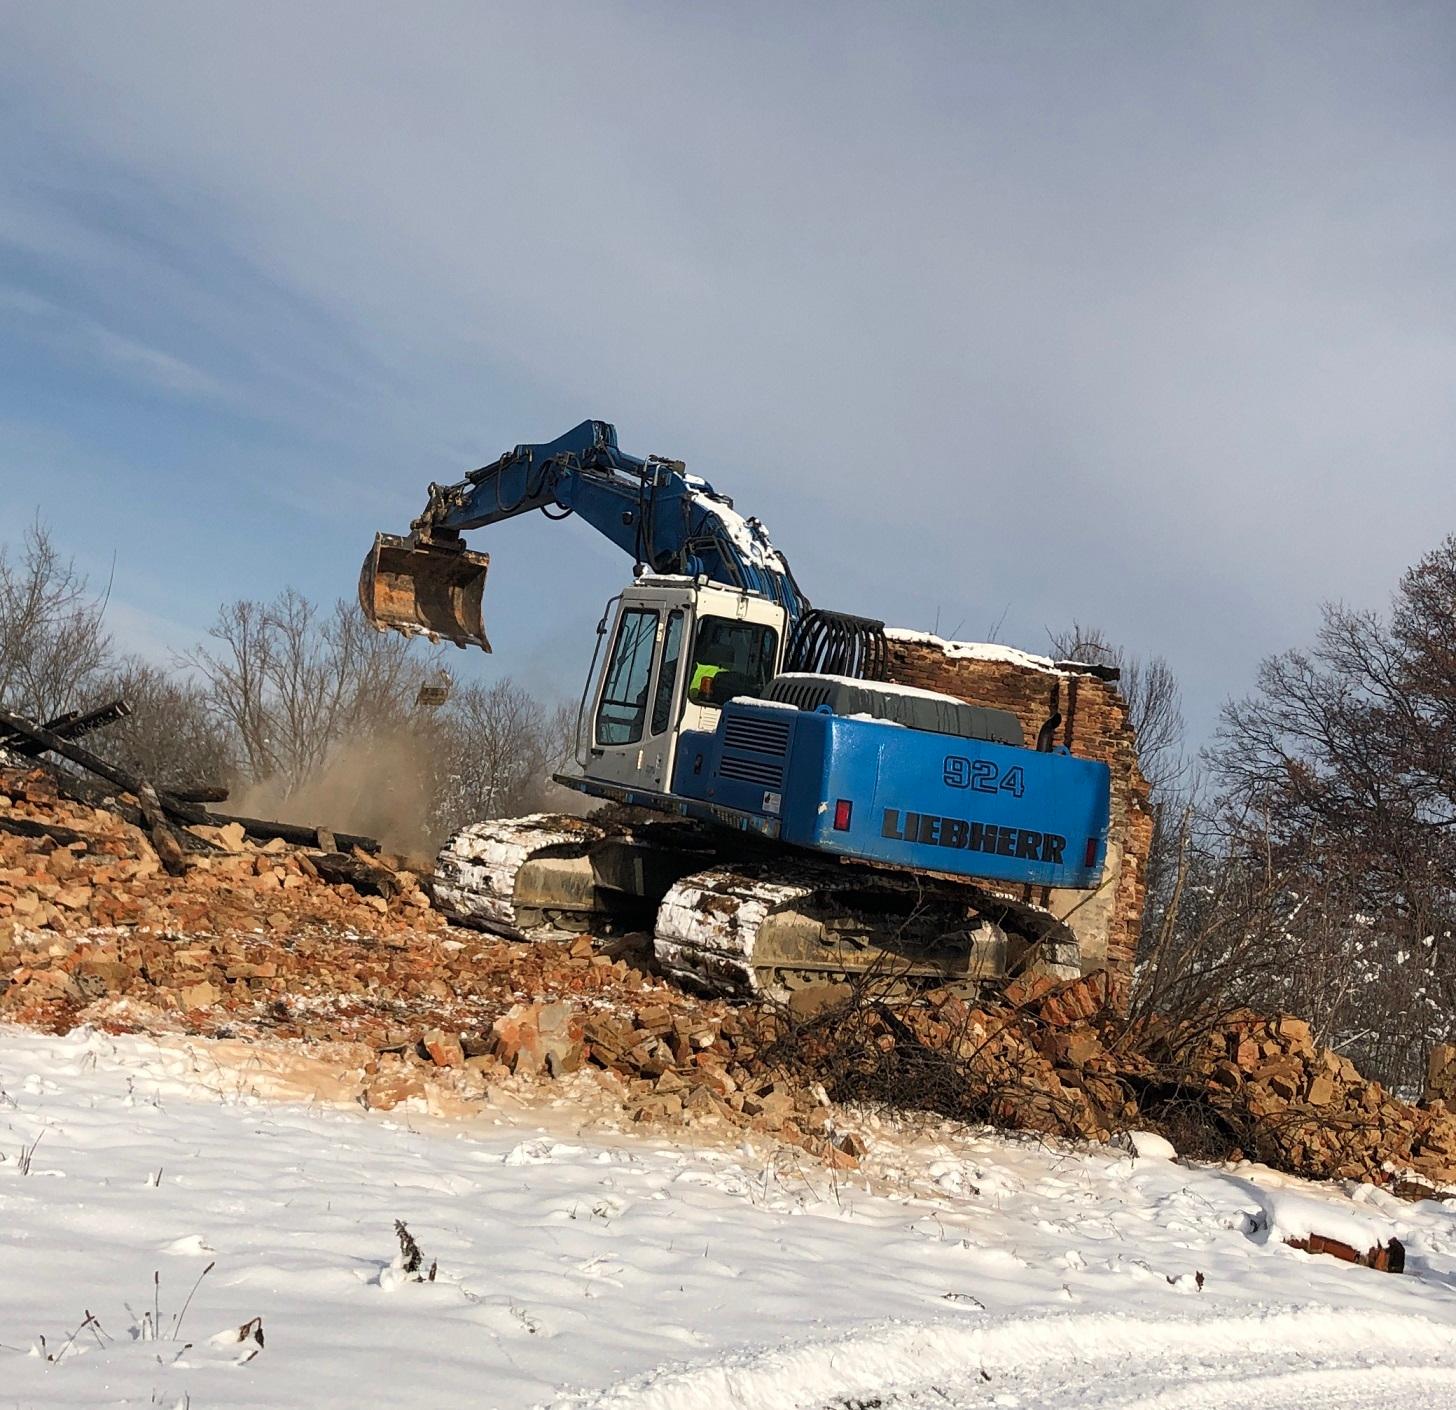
x,y
422,588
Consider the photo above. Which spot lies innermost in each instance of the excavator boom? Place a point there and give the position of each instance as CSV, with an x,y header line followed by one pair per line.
x,y
428,582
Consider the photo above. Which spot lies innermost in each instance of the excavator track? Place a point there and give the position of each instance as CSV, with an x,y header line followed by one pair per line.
x,y
529,877
741,926
768,930
477,869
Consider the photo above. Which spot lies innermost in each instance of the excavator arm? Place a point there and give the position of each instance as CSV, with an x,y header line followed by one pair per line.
x,y
669,521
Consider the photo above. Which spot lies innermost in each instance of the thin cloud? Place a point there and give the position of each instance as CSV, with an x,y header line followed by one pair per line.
x,y
84,338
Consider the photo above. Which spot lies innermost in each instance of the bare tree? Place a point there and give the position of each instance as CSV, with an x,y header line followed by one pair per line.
x,y
1253,924
290,682
1344,760
53,645
171,737
1353,744
499,747
328,719
561,724
1154,700
305,712
236,673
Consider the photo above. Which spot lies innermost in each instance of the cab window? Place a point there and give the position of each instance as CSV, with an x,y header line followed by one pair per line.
x,y
731,658
667,673
623,710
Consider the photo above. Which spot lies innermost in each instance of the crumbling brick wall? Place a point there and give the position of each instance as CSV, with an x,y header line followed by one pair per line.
x,y
1094,725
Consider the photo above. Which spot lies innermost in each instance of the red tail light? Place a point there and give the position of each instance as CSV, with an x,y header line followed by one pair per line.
x,y
842,810
1091,851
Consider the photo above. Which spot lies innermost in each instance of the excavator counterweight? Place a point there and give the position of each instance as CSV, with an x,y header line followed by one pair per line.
x,y
424,588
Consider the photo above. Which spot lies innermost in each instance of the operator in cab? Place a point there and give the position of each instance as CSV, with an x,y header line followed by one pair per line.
x,y
730,658
714,657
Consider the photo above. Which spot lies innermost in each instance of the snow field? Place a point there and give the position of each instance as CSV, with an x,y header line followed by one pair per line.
x,y
598,1270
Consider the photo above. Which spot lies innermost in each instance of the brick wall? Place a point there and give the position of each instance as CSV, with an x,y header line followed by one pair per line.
x,y
1094,725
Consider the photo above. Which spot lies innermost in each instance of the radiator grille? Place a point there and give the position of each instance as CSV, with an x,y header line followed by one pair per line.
x,y
761,736
806,695
751,770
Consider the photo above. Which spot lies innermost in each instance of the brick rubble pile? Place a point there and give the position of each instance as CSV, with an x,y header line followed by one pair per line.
x,y
1062,1060
254,941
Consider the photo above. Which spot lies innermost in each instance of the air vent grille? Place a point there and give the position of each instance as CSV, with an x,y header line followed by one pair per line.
x,y
751,771
760,735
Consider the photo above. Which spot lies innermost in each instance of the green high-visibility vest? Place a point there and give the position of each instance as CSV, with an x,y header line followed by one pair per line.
x,y
701,674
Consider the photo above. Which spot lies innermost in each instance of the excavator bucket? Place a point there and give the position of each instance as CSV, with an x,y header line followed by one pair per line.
x,y
428,589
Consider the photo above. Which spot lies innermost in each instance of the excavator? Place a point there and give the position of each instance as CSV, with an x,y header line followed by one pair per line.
x,y
776,814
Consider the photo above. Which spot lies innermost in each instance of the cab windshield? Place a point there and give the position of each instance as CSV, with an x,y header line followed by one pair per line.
x,y
623,709
731,658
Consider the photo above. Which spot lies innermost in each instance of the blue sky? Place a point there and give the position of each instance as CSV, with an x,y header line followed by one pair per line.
x,y
1141,314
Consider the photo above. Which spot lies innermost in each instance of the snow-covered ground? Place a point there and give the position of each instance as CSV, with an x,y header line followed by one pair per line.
x,y
595,1270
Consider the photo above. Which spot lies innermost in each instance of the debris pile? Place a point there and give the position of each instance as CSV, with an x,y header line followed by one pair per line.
x,y
254,939
671,1057
1059,1059
1308,1110
117,910
66,866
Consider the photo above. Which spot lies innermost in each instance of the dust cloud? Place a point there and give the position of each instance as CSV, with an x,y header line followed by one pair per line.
x,y
380,786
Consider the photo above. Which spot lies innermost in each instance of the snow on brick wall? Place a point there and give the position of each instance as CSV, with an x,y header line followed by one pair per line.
x,y
1094,725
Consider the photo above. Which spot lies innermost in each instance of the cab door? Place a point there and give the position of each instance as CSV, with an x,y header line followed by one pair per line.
x,y
633,727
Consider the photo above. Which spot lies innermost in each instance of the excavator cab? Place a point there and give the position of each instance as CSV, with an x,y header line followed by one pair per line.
x,y
678,651
425,587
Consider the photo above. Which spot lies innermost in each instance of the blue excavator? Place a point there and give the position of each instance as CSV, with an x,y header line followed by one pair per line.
x,y
778,816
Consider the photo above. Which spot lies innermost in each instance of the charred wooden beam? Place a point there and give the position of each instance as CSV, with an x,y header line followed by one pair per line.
x,y
203,793
120,778
72,725
293,833
363,876
1087,668
176,808
63,836
77,789
165,841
